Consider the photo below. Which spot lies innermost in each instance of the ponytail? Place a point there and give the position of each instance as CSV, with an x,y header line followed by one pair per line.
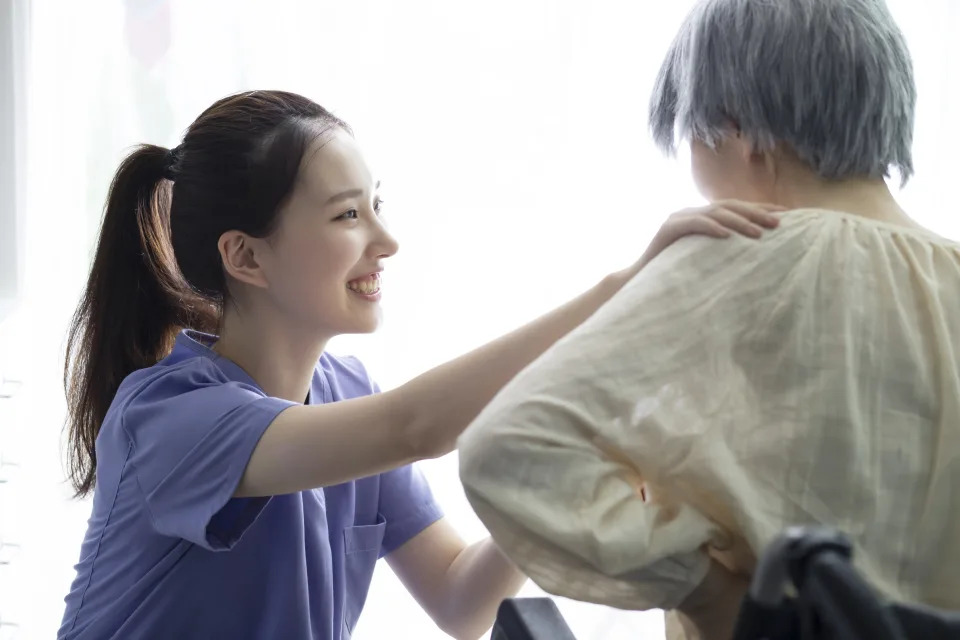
x,y
134,304
141,291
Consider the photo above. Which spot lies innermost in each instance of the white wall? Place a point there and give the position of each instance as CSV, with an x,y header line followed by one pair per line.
x,y
14,20
511,140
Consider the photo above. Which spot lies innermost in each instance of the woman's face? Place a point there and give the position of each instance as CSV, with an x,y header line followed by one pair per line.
x,y
322,265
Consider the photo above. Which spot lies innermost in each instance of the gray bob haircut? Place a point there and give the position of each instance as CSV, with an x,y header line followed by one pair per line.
x,y
831,79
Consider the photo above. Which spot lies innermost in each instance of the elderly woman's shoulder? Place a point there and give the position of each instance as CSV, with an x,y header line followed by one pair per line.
x,y
808,244
821,225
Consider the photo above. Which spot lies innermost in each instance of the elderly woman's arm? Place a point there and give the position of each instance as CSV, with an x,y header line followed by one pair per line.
x,y
639,397
710,611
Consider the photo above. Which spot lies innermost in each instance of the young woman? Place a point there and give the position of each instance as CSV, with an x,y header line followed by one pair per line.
x,y
245,484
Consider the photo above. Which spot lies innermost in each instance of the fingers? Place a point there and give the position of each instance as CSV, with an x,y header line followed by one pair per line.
x,y
721,220
705,225
735,222
758,213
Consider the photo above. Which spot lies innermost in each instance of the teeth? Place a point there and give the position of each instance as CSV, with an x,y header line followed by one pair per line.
x,y
366,286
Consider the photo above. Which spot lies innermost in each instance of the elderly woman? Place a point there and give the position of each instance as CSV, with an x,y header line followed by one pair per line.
x,y
735,388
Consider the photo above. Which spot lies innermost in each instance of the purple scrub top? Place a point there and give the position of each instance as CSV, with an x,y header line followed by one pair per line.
x,y
169,553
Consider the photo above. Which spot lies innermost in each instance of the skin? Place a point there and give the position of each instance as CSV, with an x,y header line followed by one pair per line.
x,y
734,170
290,297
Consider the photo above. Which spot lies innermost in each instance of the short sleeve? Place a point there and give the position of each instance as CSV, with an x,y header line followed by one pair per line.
x,y
407,505
192,432
594,467
405,501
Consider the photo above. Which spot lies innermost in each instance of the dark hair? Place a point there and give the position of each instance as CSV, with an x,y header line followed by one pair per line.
x,y
157,267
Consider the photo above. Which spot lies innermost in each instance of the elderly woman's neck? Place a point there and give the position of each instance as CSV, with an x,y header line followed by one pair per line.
x,y
869,198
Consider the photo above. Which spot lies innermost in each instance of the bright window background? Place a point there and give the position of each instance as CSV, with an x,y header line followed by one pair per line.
x,y
511,139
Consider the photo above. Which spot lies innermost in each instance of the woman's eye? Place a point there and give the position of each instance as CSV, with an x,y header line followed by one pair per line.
x,y
378,206
349,215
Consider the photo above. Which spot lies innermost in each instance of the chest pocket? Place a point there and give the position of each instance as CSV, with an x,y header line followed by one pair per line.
x,y
361,549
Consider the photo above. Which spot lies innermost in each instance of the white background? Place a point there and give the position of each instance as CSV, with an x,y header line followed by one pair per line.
x,y
511,139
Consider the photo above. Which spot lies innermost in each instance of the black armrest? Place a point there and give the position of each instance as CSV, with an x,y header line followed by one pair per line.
x,y
530,619
923,622
832,599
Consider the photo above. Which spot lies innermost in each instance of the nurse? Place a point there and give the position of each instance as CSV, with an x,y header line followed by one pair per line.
x,y
245,482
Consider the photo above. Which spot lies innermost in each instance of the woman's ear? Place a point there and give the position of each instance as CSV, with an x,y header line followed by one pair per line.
x,y
745,150
240,255
762,164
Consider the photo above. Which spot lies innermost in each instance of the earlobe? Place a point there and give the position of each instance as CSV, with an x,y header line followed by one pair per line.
x,y
754,157
771,165
766,170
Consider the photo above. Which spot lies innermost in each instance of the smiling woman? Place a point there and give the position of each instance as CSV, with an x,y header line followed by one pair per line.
x,y
230,470
262,225
325,258
514,164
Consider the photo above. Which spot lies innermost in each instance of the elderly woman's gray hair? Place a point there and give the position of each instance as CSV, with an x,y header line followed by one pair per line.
x,y
832,79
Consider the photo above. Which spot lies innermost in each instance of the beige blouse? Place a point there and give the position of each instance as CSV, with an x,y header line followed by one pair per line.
x,y
732,389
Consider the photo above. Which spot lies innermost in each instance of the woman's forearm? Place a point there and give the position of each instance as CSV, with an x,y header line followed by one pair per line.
x,y
477,582
318,445
445,400
710,611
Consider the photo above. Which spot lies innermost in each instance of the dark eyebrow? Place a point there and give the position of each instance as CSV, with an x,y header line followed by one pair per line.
x,y
349,193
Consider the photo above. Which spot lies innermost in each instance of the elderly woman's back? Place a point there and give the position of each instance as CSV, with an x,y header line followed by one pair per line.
x,y
738,387
810,377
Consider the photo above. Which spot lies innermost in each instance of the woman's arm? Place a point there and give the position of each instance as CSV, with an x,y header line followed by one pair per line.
x,y
320,445
459,586
710,611
646,393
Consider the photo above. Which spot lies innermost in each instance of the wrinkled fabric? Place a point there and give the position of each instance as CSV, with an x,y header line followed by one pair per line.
x,y
732,389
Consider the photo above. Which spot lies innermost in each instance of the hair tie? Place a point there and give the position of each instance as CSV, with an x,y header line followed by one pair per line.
x,y
171,162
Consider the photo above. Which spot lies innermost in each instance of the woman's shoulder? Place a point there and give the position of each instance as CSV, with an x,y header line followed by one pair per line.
x,y
857,228
811,239
347,373
172,390
170,377
343,364
811,254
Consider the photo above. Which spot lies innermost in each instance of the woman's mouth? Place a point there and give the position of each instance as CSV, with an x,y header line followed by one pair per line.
x,y
367,285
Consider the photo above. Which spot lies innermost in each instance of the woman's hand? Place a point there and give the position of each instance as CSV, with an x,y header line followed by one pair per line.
x,y
717,220
710,611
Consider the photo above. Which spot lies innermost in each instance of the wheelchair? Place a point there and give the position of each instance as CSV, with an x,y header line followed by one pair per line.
x,y
829,600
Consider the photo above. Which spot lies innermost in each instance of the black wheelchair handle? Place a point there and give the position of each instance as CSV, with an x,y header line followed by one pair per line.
x,y
785,559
